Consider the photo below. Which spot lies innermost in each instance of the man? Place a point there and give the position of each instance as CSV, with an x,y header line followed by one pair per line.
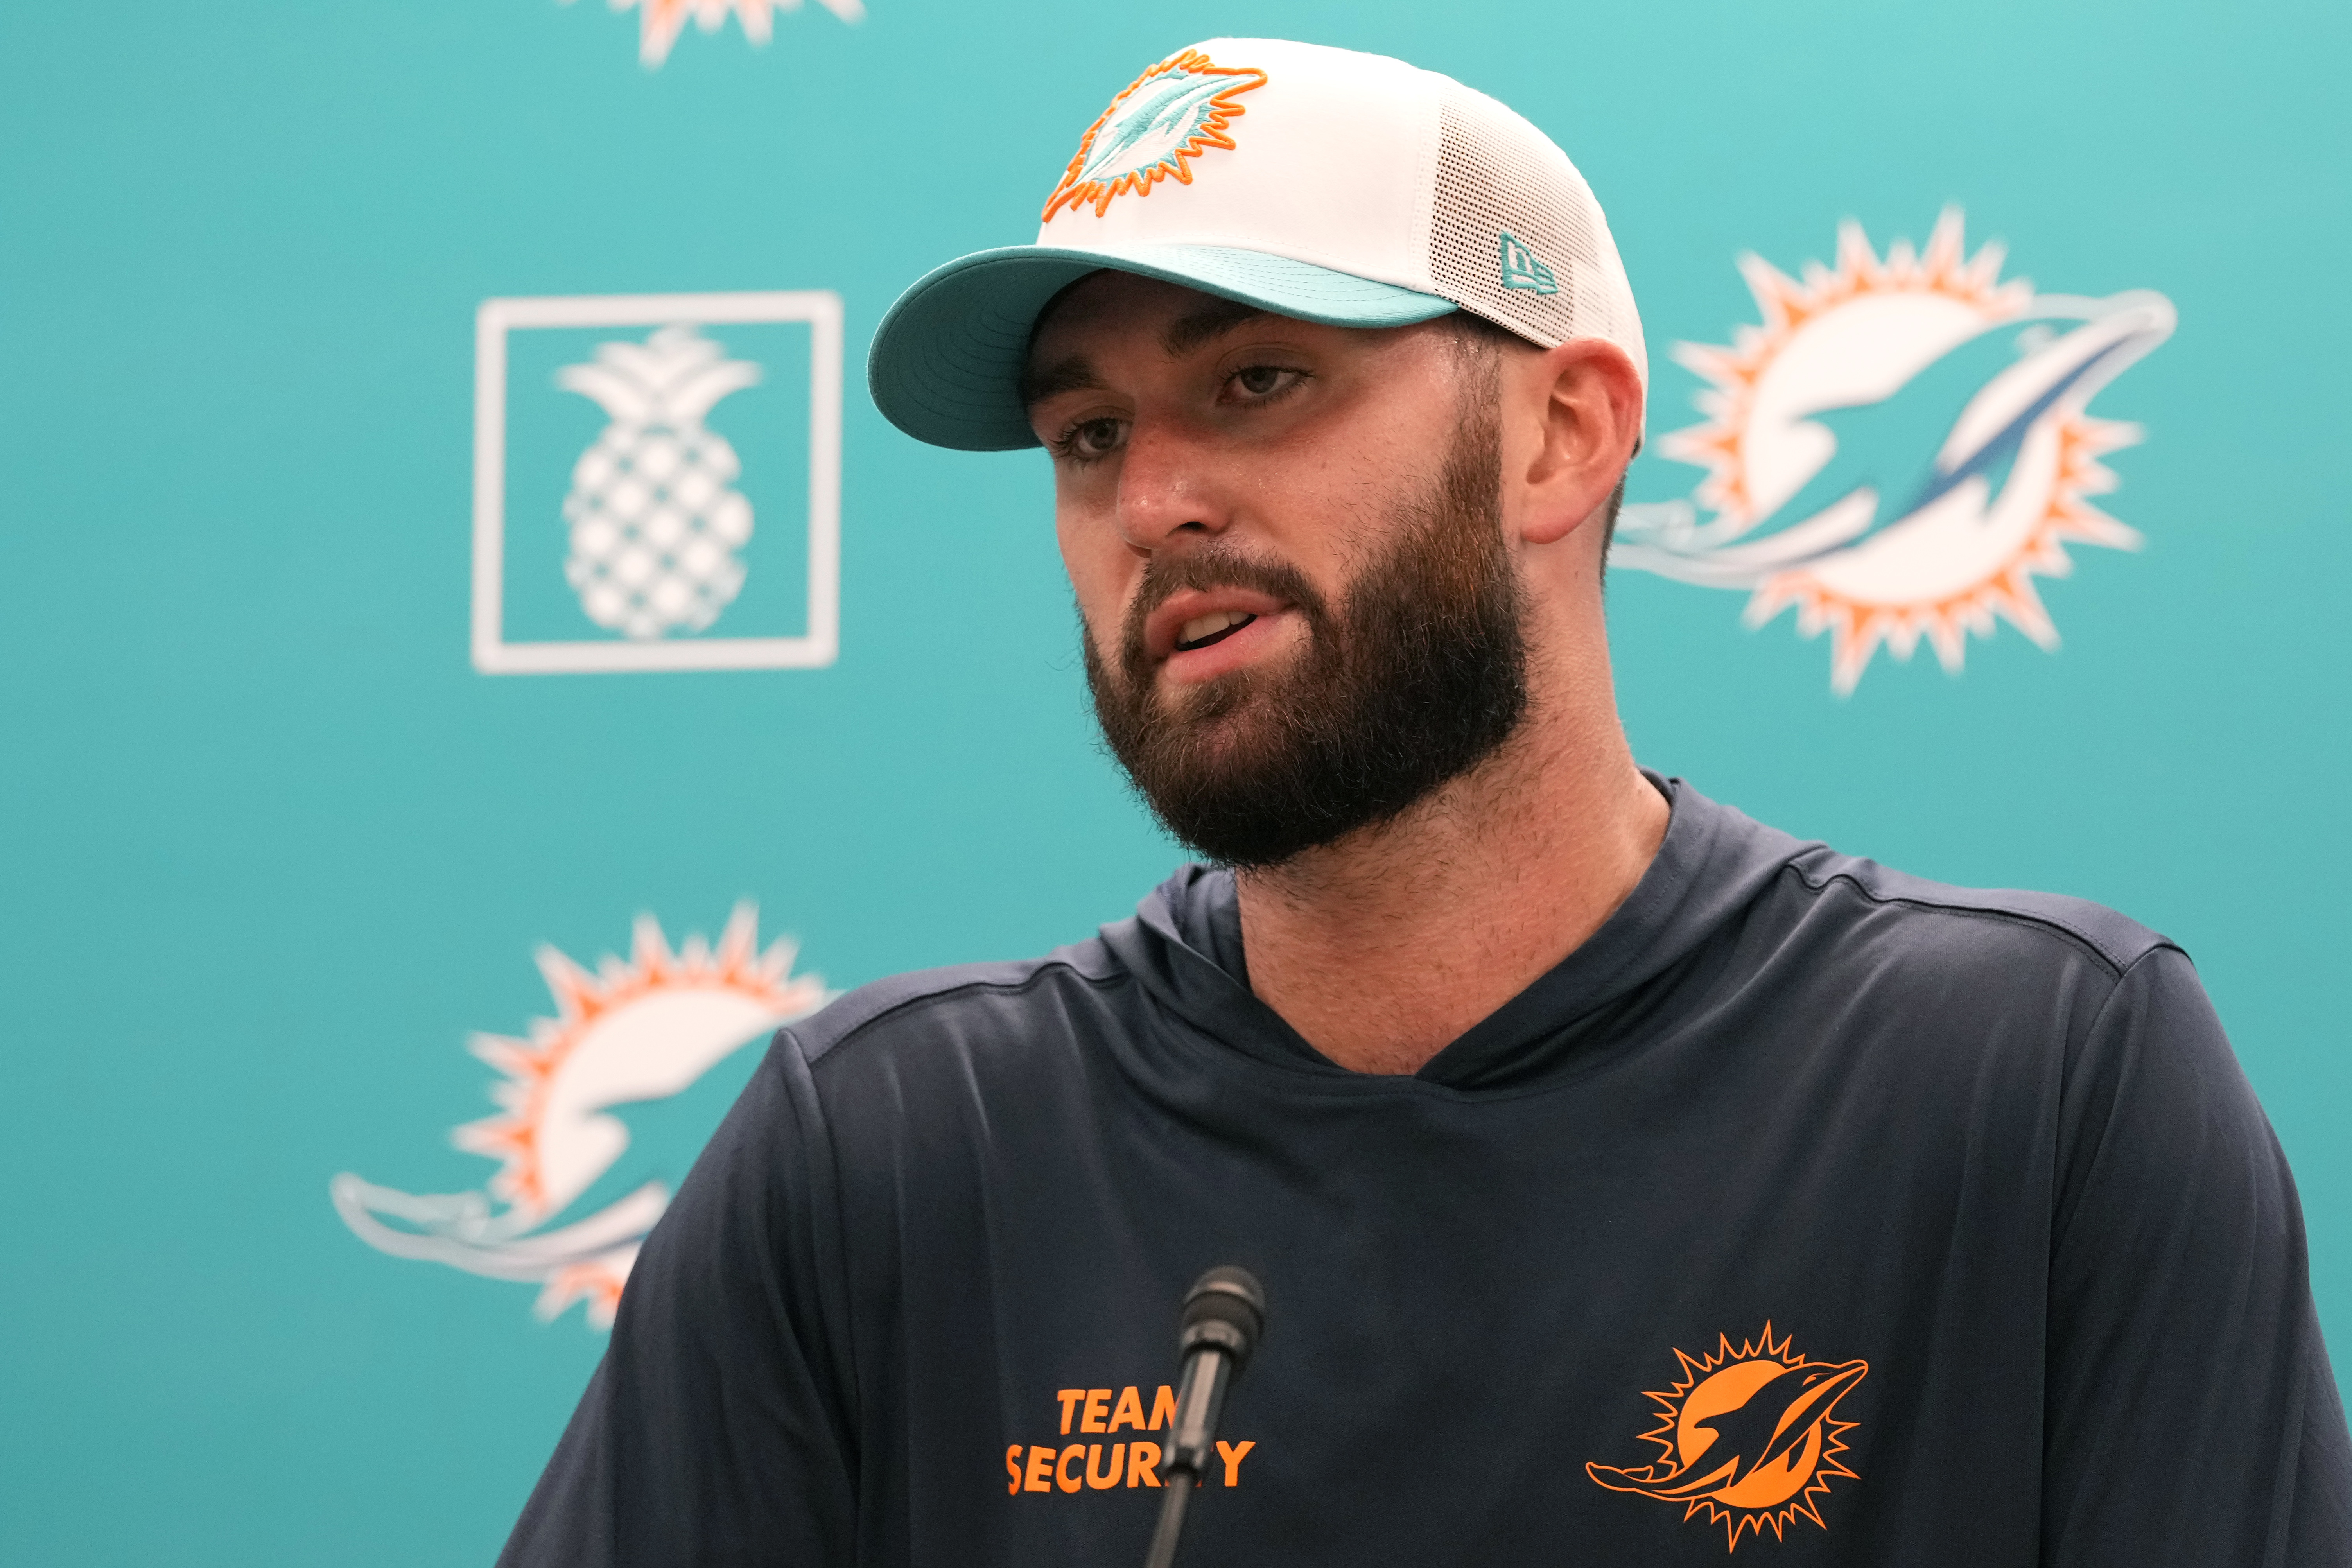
x,y
1630,1183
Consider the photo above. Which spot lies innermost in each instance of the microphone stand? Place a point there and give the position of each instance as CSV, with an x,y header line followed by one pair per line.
x,y
1224,1313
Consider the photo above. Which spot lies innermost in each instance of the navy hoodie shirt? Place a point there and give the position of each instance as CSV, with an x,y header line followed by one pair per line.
x,y
1806,1209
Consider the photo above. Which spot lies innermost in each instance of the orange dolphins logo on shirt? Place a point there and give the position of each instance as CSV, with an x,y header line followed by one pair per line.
x,y
1749,1437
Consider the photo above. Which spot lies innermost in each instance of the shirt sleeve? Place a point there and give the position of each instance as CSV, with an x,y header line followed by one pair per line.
x,y
2191,1414
714,1432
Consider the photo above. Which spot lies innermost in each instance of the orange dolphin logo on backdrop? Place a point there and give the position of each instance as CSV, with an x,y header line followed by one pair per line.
x,y
1749,1435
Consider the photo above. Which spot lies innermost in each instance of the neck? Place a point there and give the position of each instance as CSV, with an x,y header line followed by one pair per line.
x,y
1386,946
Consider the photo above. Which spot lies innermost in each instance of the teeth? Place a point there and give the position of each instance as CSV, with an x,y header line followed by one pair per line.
x,y
1209,624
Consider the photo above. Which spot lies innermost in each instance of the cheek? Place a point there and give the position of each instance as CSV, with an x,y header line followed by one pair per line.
x,y
1102,571
1326,520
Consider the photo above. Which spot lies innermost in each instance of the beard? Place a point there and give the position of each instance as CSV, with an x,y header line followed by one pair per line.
x,y
1416,676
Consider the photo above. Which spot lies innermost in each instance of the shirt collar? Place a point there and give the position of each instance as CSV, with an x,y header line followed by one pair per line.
x,y
1185,944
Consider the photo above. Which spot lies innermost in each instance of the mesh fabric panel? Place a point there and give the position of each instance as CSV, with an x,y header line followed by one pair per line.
x,y
1498,175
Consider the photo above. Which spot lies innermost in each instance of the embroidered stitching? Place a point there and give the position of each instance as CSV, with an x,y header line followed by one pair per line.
x,y
1523,268
1216,113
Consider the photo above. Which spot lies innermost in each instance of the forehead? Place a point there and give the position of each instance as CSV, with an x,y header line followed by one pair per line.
x,y
1104,305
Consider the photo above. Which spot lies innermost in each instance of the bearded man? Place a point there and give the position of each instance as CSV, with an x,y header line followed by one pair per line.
x,y
1629,1181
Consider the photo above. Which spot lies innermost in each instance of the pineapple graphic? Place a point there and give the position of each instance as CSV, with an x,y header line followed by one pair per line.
x,y
655,520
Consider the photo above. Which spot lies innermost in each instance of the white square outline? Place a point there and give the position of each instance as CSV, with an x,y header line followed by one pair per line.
x,y
493,655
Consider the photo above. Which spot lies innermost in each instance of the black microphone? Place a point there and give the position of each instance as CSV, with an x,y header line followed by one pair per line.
x,y
1224,1312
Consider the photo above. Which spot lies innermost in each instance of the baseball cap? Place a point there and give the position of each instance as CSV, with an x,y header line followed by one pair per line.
x,y
1315,183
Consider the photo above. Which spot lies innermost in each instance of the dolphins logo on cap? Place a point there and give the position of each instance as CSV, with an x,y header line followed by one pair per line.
x,y
1750,1436
1153,130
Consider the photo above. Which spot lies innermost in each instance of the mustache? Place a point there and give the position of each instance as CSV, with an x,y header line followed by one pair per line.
x,y
1213,566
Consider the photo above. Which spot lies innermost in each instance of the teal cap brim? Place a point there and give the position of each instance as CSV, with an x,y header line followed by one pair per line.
x,y
945,362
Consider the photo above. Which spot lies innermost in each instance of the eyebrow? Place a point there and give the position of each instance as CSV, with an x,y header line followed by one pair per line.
x,y
1071,374
1211,320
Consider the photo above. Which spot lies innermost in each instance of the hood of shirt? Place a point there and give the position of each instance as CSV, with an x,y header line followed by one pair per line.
x,y
1185,946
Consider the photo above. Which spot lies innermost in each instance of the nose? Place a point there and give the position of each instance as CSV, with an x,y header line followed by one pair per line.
x,y
1166,488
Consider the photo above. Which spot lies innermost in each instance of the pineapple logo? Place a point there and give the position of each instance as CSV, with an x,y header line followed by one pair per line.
x,y
655,520
631,1032
658,541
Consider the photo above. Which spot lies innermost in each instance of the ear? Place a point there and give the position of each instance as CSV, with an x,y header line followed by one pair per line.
x,y
1580,409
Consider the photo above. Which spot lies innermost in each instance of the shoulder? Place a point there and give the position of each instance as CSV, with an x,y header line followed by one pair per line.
x,y
911,1074
1930,921
1815,903
962,1002
2058,1000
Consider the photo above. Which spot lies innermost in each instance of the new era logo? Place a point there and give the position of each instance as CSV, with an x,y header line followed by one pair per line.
x,y
1522,269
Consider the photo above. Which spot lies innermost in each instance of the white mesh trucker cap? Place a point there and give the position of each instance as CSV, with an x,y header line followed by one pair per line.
x,y
1315,183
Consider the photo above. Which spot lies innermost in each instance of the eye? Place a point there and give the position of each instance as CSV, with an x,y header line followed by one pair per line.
x,y
1090,440
1257,383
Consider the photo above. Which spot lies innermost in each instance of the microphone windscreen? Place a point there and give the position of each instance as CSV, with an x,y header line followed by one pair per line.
x,y
1226,1307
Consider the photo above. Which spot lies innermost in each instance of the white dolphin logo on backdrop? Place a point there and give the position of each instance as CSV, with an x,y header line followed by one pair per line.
x,y
643,1030
1899,448
661,21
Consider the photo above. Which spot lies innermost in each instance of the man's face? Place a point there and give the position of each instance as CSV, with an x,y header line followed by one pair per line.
x,y
1301,616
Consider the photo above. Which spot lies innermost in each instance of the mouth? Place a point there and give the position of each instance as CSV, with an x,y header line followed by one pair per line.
x,y
1207,631
1197,633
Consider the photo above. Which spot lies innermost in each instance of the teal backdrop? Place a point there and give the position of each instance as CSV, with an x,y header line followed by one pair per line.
x,y
275,849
